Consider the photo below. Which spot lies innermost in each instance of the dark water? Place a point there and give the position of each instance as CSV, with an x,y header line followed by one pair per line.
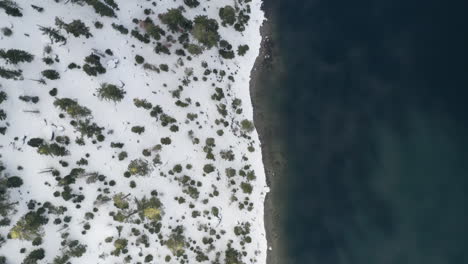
x,y
374,105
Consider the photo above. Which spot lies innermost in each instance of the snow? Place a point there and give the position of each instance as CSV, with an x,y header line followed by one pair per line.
x,y
119,118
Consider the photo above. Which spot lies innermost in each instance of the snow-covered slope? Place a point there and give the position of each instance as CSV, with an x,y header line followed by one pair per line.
x,y
110,192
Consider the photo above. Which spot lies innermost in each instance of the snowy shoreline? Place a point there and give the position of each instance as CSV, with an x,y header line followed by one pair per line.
x,y
181,157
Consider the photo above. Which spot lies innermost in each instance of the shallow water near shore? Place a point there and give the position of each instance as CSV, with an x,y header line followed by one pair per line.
x,y
372,110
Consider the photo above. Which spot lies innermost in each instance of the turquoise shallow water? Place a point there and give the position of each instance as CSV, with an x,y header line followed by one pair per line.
x,y
373,105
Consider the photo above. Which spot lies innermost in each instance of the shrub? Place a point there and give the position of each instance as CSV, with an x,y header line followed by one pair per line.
x,y
3,96
15,56
138,167
6,31
242,49
72,107
205,30
230,172
98,25
138,129
77,28
226,54
110,92
120,28
52,149
11,8
246,187
227,15
14,182
194,49
34,256
192,3
35,142
53,34
154,31
51,74
28,227
139,59
93,65
142,103
160,48
10,74
101,8
208,168
175,21
247,125
166,141
176,241
164,67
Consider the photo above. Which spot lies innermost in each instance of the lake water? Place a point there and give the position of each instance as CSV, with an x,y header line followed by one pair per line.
x,y
373,103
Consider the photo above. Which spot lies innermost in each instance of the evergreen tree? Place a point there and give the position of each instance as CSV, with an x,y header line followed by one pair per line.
x,y
175,21
34,256
15,56
138,167
28,227
11,8
111,92
101,8
72,107
53,34
52,150
51,74
227,15
205,30
77,28
93,65
192,3
10,74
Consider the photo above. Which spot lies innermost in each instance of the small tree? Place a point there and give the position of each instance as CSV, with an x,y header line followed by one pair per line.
x,y
192,3
15,56
227,15
100,8
28,227
175,21
110,92
10,74
205,30
138,129
247,125
51,74
176,241
208,168
150,209
93,65
52,150
53,34
242,49
194,49
77,28
34,256
138,167
14,182
11,8
72,107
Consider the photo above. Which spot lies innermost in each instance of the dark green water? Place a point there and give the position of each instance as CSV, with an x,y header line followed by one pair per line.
x,y
373,102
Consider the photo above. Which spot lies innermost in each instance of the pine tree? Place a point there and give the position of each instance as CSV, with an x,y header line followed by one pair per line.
x,y
205,30
77,28
175,21
111,92
11,8
10,74
53,34
15,56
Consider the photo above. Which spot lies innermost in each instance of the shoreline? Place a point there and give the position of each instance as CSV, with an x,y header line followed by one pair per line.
x,y
266,65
